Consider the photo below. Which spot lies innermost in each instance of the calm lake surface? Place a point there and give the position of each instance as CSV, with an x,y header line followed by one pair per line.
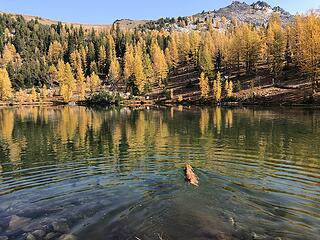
x,y
118,173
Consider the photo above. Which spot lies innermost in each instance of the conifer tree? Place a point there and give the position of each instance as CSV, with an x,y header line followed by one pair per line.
x,y
229,88
128,63
102,59
217,87
114,71
94,82
60,70
204,85
5,85
44,93
276,43
159,63
33,96
174,52
68,84
81,84
138,71
55,52
205,61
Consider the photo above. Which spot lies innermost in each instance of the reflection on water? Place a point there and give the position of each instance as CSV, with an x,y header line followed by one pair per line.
x,y
117,173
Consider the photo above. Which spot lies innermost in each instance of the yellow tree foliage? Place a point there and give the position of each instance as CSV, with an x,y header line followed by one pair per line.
x,y
55,52
68,84
204,85
75,60
102,59
217,88
174,52
148,70
138,71
94,82
83,54
128,62
185,47
5,85
195,41
275,45
159,63
9,54
168,58
81,83
229,88
53,73
21,96
307,45
33,96
44,93
114,71
60,70
205,60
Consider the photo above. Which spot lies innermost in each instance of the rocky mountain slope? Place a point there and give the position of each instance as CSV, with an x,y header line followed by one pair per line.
x,y
257,14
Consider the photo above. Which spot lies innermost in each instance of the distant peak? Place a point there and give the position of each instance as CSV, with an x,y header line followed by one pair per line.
x,y
260,5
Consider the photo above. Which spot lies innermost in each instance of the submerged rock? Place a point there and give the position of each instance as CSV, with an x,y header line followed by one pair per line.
x,y
30,237
61,227
67,237
39,233
4,238
17,222
52,235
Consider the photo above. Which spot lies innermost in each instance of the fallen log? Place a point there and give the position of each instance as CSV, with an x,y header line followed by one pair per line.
x,y
190,176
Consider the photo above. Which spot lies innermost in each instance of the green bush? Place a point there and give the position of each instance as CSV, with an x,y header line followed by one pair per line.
x,y
105,99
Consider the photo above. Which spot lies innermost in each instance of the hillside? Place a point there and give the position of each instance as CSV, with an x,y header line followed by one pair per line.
x,y
267,59
257,14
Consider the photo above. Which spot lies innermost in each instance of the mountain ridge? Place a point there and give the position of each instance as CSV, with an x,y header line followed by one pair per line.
x,y
257,13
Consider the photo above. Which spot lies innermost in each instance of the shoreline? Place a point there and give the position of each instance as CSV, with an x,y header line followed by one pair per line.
x,y
151,103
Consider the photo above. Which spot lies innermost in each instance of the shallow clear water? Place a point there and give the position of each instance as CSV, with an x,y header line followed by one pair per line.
x,y
118,173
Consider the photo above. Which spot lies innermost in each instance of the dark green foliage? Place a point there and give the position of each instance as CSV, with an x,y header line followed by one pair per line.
x,y
105,99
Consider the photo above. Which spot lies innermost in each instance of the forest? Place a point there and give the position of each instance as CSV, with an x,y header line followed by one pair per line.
x,y
74,62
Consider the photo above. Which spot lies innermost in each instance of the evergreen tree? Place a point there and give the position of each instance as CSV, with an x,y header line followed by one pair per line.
x,y
5,85
68,84
217,90
81,84
204,85
160,66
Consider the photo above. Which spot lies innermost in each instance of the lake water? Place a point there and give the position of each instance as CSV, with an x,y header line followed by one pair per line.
x,y
118,173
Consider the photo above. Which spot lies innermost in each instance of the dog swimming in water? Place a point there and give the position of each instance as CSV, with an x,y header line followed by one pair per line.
x,y
190,176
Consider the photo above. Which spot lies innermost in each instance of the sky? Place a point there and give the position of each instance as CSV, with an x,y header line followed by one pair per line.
x,y
107,11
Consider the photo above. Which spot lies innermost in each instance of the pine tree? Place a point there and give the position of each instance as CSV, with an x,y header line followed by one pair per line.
x,y
204,85
205,61
81,84
5,85
174,52
138,71
159,63
229,88
68,84
33,96
128,63
55,52
102,59
44,93
94,82
114,71
276,43
217,87
60,70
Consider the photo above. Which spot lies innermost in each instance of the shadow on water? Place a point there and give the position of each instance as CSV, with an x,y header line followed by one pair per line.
x,y
79,173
